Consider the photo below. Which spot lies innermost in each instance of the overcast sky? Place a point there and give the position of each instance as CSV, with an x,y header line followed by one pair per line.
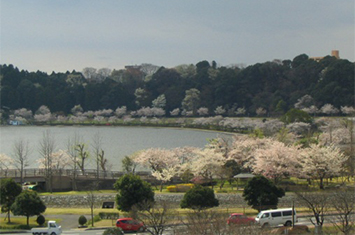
x,y
61,35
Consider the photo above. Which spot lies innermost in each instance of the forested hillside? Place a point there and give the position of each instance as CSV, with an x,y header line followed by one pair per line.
x,y
273,86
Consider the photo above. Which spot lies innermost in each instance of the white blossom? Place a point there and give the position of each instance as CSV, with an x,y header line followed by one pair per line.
x,y
299,128
349,110
219,110
175,112
203,111
27,114
260,111
329,109
6,162
121,111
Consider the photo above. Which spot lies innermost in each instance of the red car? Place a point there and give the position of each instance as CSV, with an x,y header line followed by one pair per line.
x,y
129,224
239,218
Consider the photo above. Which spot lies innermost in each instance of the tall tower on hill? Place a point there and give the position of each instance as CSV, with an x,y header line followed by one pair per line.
x,y
335,53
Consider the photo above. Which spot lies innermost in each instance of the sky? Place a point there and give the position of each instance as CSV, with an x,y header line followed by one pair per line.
x,y
66,35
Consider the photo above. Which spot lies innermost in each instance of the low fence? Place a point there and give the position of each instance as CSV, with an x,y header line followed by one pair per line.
x,y
87,174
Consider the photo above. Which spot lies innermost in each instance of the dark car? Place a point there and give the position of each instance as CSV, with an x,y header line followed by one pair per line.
x,y
129,224
239,218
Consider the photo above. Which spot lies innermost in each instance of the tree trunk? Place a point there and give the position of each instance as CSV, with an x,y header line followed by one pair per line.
x,y
321,185
8,216
161,186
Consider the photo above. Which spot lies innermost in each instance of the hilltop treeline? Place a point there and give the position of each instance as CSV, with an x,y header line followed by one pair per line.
x,y
274,86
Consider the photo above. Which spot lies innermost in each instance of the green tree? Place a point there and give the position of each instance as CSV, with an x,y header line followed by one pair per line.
x,y
132,190
199,198
9,190
28,203
128,165
296,115
261,193
191,100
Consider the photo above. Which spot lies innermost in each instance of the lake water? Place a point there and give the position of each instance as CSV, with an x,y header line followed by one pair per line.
x,y
117,142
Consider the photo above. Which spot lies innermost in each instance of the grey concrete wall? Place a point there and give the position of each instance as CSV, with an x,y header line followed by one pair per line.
x,y
225,200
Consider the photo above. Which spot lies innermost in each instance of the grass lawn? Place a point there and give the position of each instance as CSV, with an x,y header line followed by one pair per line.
x,y
21,223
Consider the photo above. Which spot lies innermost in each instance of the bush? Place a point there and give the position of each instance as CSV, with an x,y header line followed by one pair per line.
x,y
262,194
113,231
109,215
40,220
171,188
132,190
82,220
199,198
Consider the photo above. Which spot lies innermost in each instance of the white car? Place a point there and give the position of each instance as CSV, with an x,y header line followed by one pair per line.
x,y
52,229
271,218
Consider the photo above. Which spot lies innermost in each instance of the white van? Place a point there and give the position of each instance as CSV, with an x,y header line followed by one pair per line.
x,y
276,217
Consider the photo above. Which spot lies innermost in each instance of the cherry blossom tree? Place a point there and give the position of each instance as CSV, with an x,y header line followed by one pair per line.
x,y
243,150
276,161
207,163
337,136
61,118
77,109
121,111
329,109
43,114
327,126
203,111
5,162
348,110
320,162
24,113
59,160
311,110
299,128
304,102
219,110
158,112
163,163
104,112
270,127
240,111
175,112
260,111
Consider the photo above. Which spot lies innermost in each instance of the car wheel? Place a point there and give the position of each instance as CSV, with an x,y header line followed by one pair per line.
x,y
288,224
266,225
53,233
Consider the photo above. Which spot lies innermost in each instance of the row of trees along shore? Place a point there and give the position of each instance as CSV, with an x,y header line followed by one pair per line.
x,y
319,150
205,89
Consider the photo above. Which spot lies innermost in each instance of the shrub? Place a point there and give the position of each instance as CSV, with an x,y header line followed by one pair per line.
x,y
132,190
262,194
171,188
113,231
40,220
108,215
199,198
82,220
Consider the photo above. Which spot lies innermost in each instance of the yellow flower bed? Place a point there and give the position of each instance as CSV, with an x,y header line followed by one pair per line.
x,y
179,187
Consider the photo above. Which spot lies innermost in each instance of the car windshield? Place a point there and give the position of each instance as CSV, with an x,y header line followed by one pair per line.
x,y
259,215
